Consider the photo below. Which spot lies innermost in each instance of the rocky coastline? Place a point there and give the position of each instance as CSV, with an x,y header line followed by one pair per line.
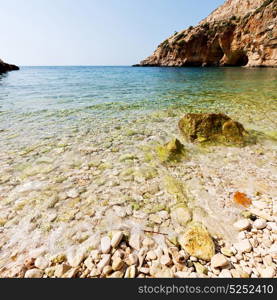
x,y
4,67
238,33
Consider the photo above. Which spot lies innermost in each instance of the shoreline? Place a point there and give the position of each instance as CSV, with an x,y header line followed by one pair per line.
x,y
108,190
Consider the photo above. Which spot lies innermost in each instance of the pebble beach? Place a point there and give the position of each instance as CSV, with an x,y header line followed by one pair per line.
x,y
88,193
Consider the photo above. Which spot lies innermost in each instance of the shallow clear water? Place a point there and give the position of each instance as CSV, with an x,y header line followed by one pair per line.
x,y
47,92
38,103
95,130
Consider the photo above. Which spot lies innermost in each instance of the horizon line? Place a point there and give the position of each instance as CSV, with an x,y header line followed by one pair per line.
x,y
129,65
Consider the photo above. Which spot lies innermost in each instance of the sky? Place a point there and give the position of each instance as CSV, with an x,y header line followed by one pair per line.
x,y
92,32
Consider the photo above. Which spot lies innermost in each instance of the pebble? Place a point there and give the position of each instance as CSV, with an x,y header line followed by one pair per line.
x,y
151,255
234,250
272,226
259,204
165,260
259,224
242,224
154,267
89,263
225,274
130,272
181,274
144,270
219,261
261,214
28,263
227,252
200,269
117,264
155,219
241,235
164,272
94,254
267,260
135,241
116,239
266,243
141,257
95,272
50,271
148,242
243,246
41,263
71,273
120,211
159,252
233,259
61,270
140,214
247,270
107,270
268,272
132,259
273,251
163,214
184,254
239,256
235,273
34,273
74,258
104,262
244,274
117,274
105,245
73,193
194,259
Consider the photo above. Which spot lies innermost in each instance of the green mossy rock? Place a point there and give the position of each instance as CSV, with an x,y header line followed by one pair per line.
x,y
175,188
172,151
217,128
197,242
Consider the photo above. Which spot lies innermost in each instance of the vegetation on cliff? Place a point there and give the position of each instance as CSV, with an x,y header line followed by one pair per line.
x,y
236,34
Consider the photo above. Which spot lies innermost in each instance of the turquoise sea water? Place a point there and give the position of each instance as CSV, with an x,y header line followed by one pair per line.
x,y
35,97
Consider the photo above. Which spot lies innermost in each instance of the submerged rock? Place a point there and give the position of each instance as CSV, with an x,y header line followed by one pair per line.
x,y
172,151
217,128
181,214
197,242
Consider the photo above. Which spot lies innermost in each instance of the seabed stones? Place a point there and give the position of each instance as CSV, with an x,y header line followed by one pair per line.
x,y
161,187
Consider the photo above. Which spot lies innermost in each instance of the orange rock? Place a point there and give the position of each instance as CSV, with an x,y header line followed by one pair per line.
x,y
242,199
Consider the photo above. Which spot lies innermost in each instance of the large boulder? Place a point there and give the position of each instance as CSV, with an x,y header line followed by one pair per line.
x,y
6,67
211,128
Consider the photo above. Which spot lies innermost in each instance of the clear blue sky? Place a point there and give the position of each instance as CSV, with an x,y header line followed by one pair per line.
x,y
92,32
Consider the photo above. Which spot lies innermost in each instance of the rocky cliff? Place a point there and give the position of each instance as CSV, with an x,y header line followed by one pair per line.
x,y
238,33
6,67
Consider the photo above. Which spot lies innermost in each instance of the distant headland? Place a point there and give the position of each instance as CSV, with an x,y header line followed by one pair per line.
x,y
4,67
238,33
